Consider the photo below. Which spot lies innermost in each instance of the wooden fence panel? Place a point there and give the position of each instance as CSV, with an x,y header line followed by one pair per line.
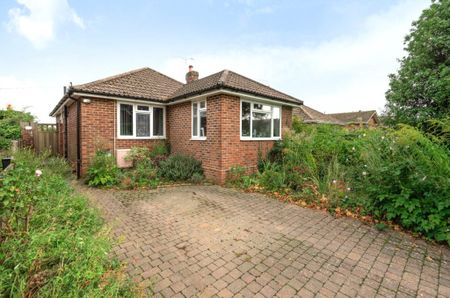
x,y
43,137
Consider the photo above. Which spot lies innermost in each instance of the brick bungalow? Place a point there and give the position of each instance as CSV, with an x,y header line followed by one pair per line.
x,y
223,119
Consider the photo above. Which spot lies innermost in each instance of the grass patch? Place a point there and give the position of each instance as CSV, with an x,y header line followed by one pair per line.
x,y
52,243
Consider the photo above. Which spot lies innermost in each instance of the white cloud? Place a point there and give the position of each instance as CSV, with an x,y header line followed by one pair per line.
x,y
346,73
36,20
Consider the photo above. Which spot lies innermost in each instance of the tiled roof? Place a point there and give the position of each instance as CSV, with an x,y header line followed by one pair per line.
x,y
142,83
314,116
227,79
148,84
354,117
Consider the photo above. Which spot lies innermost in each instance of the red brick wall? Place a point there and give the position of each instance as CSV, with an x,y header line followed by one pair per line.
x,y
222,148
98,129
180,131
237,152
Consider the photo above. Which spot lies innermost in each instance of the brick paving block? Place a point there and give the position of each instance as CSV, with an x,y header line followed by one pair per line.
x,y
254,287
220,237
225,293
267,291
208,292
219,272
178,286
236,286
286,292
305,293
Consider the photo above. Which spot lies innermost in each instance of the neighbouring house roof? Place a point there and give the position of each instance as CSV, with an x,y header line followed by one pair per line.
x,y
227,79
148,84
313,116
355,117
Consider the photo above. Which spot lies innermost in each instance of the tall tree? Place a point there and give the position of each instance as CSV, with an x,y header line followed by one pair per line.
x,y
421,88
10,125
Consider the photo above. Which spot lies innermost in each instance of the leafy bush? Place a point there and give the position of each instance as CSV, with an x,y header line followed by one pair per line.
x,y
197,178
160,149
237,177
137,155
52,243
438,130
180,168
159,153
273,178
407,180
103,170
143,174
10,125
398,175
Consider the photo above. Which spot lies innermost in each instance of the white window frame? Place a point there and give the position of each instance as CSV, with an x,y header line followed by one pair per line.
x,y
251,138
198,137
136,111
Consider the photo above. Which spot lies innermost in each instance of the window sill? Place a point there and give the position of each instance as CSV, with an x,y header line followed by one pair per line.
x,y
140,138
198,139
260,139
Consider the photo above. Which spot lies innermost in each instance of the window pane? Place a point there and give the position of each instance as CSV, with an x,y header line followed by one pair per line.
x,y
276,121
194,120
142,125
264,108
203,123
158,121
202,105
245,119
126,120
261,123
143,108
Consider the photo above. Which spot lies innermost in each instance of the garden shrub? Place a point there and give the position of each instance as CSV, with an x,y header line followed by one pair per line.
x,y
103,170
180,167
138,154
234,175
10,125
273,177
399,175
237,177
160,149
52,243
407,179
159,153
197,178
144,174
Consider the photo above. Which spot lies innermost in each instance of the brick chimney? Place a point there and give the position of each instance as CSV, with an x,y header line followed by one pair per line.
x,y
191,75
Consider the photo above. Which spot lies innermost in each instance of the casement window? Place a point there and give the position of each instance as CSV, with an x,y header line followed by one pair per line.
x,y
199,120
260,121
140,121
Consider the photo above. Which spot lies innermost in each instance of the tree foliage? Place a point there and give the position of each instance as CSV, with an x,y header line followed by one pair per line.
x,y
421,88
10,125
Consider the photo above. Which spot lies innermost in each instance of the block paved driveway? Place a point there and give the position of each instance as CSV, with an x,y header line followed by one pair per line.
x,y
211,241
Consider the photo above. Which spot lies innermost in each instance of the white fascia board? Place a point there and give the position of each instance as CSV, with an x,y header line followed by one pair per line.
x,y
121,99
239,94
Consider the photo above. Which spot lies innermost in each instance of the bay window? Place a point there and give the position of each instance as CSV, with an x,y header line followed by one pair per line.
x,y
260,121
140,121
199,120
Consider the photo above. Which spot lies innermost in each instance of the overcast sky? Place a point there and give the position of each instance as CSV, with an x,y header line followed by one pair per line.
x,y
334,55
